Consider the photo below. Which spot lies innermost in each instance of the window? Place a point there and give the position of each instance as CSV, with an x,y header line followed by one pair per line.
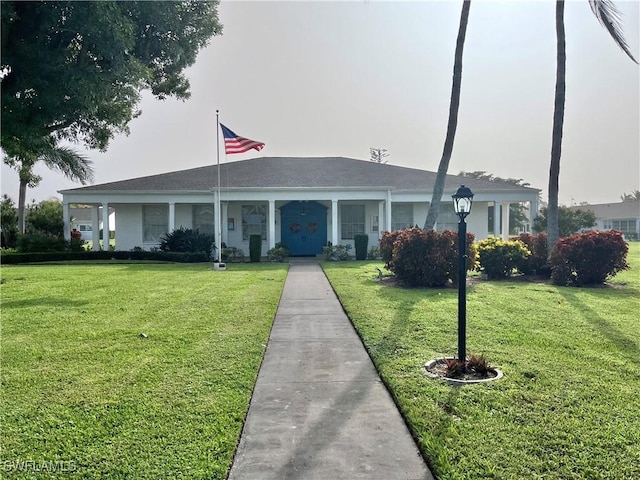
x,y
447,218
627,226
375,223
352,221
155,222
203,219
85,228
254,221
401,216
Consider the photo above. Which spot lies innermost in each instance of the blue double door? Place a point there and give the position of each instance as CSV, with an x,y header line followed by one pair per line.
x,y
303,227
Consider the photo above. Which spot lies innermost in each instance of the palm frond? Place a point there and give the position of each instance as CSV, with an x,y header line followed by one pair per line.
x,y
70,163
610,18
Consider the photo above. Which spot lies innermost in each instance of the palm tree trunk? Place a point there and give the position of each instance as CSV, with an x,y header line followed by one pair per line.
x,y
553,231
22,195
438,188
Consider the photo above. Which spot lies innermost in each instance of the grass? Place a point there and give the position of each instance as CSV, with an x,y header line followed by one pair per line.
x,y
81,387
568,405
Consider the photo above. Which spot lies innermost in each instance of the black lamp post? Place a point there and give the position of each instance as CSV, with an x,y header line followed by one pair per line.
x,y
462,201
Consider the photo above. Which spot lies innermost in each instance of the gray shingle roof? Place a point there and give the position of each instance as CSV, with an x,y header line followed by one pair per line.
x,y
294,172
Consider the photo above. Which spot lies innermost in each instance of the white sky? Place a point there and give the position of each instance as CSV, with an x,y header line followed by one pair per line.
x,y
336,78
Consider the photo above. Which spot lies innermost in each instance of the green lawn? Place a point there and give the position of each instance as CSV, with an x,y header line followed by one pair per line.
x,y
569,404
82,391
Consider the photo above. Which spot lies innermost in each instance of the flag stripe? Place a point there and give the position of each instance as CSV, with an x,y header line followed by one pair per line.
x,y
236,144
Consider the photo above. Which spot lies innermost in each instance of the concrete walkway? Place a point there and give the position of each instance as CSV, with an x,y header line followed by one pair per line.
x,y
319,409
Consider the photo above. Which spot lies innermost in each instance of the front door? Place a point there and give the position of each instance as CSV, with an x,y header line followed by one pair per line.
x,y
303,227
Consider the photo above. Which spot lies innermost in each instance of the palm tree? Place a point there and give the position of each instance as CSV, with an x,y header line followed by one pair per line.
x,y
608,15
438,188
64,159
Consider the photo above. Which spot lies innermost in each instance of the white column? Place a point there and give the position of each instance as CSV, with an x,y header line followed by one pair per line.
x,y
380,218
505,221
533,212
105,226
334,222
272,224
387,223
496,219
172,216
67,220
95,227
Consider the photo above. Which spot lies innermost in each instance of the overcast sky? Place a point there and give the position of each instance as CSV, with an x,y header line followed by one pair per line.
x,y
334,79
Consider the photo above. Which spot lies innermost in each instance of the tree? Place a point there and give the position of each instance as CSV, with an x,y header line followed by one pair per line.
x,y
378,155
70,163
452,125
8,222
75,70
570,221
517,215
634,196
46,218
607,14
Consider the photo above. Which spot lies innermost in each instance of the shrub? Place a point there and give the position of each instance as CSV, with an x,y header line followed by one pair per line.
x,y
428,259
186,240
498,258
373,253
337,252
278,253
588,258
537,262
255,248
232,254
15,258
361,242
385,245
40,242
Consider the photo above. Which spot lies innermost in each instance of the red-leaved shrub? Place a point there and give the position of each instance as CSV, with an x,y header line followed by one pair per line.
x,y
536,263
426,259
588,258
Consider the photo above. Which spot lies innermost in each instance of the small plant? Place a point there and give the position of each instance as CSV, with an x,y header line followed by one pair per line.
x,y
476,365
336,252
498,258
454,367
186,240
373,253
278,253
232,254
361,242
255,248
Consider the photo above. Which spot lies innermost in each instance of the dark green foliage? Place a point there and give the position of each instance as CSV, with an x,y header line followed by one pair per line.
x,y
255,248
8,222
186,240
232,254
361,243
336,252
537,262
427,259
278,253
588,258
40,242
46,218
138,255
498,258
373,253
570,221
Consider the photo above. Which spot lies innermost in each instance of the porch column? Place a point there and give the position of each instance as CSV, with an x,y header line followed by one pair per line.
x,y
496,219
505,221
533,212
380,217
95,227
105,226
334,222
67,220
172,216
272,224
387,222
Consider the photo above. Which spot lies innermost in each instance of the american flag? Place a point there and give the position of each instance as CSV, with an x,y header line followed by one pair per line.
x,y
236,144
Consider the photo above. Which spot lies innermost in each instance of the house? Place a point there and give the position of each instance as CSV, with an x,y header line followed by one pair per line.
x,y
621,216
304,203
81,219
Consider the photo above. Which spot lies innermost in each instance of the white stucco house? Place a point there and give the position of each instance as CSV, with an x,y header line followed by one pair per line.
x,y
304,203
621,216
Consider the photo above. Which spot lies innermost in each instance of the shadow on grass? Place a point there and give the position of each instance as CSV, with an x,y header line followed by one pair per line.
x,y
42,302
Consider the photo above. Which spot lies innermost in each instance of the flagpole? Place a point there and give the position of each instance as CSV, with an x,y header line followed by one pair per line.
x,y
218,211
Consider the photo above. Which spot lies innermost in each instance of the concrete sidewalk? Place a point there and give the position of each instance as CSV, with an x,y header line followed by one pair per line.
x,y
319,409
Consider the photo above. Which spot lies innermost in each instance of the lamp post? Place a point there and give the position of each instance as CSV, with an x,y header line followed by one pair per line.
x,y
462,201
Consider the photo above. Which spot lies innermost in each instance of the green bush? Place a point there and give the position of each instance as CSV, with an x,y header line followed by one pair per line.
x,y
15,258
361,242
588,258
373,253
255,248
278,253
336,252
427,259
232,254
537,262
385,245
498,258
186,240
40,242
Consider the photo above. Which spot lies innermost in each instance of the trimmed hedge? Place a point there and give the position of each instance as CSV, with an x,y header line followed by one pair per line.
x,y
536,263
255,248
588,258
498,258
15,258
361,242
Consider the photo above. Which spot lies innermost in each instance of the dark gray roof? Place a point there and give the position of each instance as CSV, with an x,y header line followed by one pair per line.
x,y
294,172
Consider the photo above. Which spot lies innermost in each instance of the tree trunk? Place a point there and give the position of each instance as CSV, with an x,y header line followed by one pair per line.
x,y
22,195
438,188
553,230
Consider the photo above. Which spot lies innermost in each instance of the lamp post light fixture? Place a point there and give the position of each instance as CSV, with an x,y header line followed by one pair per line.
x,y
462,201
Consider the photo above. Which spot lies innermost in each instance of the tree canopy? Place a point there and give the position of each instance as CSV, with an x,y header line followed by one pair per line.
x,y
570,221
75,70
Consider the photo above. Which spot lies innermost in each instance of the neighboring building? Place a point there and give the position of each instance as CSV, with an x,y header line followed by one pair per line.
x,y
622,216
81,219
304,203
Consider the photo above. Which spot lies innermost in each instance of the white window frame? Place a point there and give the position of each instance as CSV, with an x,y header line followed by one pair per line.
x,y
155,222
